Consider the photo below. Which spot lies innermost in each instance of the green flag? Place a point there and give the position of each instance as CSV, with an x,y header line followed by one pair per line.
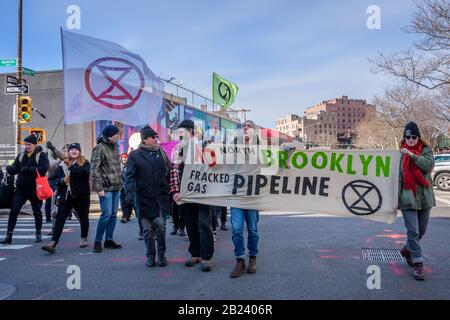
x,y
224,91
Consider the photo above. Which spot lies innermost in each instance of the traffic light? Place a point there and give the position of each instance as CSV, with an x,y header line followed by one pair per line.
x,y
25,109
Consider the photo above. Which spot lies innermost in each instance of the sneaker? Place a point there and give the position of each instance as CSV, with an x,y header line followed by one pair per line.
x,y
123,220
151,263
83,243
38,237
214,236
162,261
239,269
97,247
192,262
205,266
110,244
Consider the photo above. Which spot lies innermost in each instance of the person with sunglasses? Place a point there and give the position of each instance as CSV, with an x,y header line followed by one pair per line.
x,y
416,196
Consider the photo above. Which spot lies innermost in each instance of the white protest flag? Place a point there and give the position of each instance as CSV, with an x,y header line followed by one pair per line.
x,y
361,183
104,81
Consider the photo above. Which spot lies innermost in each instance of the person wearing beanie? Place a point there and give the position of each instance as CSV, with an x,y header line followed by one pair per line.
x,y
73,193
25,165
416,196
197,217
147,188
106,173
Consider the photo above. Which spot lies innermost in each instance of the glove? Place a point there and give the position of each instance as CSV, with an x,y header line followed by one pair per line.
x,y
51,146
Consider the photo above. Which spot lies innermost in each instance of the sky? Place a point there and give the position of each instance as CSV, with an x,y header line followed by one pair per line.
x,y
284,55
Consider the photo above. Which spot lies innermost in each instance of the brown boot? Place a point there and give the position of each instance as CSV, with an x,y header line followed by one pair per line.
x,y
251,265
418,272
407,255
239,269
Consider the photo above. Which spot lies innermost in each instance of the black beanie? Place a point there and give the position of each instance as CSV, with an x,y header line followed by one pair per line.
x,y
187,124
411,129
74,146
110,131
147,132
31,139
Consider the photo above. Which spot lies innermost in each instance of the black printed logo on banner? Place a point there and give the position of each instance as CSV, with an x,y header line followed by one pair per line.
x,y
362,190
225,91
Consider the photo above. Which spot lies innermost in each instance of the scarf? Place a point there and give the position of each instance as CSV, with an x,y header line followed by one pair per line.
x,y
412,175
161,151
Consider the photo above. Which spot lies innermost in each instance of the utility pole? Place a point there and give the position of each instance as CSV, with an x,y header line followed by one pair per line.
x,y
19,78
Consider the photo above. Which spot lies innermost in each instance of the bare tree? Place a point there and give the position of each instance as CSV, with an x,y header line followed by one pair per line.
x,y
428,66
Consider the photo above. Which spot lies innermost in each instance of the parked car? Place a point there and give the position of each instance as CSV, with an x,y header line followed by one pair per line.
x,y
441,172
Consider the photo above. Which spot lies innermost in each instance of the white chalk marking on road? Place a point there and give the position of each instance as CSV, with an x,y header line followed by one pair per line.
x,y
14,246
1,259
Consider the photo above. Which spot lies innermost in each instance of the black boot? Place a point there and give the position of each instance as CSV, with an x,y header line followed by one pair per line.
x,y
38,237
8,239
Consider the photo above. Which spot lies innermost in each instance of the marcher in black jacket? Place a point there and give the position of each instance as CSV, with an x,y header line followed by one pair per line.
x,y
73,193
25,166
147,186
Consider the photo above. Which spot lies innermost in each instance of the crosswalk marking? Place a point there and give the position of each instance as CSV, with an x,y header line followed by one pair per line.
x,y
23,237
33,230
14,246
44,225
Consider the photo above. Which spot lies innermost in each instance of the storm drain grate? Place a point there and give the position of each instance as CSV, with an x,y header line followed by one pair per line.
x,y
6,291
382,255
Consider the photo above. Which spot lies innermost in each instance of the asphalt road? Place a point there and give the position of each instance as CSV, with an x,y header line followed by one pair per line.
x,y
301,257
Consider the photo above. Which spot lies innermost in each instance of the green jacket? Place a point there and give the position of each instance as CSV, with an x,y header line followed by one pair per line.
x,y
424,196
106,171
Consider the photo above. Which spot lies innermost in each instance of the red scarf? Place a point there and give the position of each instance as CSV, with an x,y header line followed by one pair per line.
x,y
412,175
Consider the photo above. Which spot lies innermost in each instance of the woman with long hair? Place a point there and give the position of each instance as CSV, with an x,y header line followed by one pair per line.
x,y
73,193
416,196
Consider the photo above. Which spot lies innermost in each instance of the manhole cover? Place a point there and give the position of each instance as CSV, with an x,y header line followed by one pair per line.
x,y
6,291
382,255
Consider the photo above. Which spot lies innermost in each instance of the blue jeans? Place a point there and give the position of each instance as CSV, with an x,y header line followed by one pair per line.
x,y
416,222
109,204
251,218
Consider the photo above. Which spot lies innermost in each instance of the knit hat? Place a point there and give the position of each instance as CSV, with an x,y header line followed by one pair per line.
x,y
110,131
31,139
147,132
187,124
74,146
411,129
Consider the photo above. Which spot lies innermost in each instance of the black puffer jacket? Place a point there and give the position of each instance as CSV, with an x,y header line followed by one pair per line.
x,y
79,181
26,169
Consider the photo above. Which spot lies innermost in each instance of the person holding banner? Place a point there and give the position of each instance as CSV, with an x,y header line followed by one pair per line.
x,y
250,217
197,217
416,196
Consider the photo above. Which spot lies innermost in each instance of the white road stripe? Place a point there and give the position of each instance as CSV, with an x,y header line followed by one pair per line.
x,y
14,246
33,230
24,237
1,259
442,200
44,225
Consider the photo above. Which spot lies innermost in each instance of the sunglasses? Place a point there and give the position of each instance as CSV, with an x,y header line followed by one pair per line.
x,y
411,137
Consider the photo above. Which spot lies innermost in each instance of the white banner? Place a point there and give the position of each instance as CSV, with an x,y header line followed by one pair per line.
x,y
360,183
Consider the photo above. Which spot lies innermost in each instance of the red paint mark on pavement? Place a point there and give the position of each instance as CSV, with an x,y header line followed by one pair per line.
x,y
395,268
164,275
427,270
391,236
177,260
120,259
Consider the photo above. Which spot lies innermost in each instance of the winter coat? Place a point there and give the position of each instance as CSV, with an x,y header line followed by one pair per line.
x,y
26,169
79,180
424,196
147,178
106,172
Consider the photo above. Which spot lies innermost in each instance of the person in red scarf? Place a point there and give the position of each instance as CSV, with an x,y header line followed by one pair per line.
x,y
416,196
